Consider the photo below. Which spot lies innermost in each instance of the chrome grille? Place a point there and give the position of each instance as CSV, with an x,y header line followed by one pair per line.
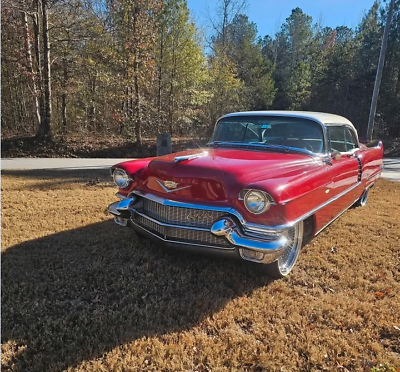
x,y
185,235
180,216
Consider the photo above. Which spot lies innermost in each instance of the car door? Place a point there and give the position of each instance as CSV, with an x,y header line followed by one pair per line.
x,y
345,165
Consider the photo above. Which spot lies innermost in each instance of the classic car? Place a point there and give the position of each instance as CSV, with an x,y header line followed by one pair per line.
x,y
265,184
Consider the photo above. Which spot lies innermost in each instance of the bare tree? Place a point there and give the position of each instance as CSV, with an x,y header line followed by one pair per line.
x,y
225,12
46,123
35,93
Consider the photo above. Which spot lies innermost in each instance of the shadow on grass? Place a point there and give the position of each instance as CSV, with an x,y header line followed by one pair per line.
x,y
74,295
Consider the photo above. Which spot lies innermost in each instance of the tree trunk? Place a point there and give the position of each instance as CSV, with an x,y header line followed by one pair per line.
x,y
28,51
160,73
64,97
39,76
46,123
172,90
92,107
137,108
138,121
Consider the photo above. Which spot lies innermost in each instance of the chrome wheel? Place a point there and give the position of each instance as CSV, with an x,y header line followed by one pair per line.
x,y
364,198
284,265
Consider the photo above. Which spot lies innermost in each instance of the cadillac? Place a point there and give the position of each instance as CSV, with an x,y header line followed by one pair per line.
x,y
265,184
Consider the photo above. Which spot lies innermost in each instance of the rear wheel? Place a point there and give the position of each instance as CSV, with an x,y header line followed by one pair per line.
x,y
284,265
363,199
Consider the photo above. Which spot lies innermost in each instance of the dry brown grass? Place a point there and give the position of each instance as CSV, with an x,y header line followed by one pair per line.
x,y
81,294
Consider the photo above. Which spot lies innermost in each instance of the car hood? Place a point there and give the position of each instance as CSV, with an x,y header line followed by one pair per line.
x,y
220,174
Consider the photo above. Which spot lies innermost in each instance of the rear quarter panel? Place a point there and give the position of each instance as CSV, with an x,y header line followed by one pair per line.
x,y
372,163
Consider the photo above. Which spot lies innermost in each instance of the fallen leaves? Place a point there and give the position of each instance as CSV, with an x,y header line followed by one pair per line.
x,y
386,292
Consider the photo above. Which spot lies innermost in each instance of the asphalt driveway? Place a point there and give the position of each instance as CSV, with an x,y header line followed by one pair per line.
x,y
57,163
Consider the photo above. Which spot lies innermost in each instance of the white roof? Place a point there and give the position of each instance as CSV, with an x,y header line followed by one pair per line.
x,y
320,117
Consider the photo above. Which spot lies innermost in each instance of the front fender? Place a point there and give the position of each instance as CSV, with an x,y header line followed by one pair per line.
x,y
134,168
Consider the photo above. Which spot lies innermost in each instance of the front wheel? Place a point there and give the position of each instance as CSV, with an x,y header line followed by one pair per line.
x,y
284,265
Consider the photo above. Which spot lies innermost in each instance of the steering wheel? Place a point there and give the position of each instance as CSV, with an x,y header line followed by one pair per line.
x,y
308,146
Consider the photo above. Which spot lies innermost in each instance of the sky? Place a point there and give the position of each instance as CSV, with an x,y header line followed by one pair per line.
x,y
270,14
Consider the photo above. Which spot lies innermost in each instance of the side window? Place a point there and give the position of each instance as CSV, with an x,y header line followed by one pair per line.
x,y
337,141
351,142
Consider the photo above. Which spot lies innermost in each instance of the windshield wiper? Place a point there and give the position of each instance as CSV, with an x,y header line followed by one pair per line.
x,y
258,145
216,144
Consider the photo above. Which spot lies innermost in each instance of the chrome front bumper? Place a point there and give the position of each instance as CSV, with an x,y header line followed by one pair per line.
x,y
261,247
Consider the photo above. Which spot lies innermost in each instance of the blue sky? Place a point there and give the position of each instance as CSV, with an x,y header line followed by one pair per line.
x,y
270,14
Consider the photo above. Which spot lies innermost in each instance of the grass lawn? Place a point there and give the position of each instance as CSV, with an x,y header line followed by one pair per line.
x,y
80,293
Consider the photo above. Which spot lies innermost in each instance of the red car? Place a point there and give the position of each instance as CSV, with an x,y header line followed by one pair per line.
x,y
265,184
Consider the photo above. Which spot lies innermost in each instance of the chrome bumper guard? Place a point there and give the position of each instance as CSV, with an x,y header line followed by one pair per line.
x,y
259,248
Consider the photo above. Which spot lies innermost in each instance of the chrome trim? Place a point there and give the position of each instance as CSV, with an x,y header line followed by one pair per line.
x,y
128,180
226,227
125,204
243,192
259,230
173,203
182,243
171,190
271,249
112,208
364,195
178,159
263,229
167,224
267,202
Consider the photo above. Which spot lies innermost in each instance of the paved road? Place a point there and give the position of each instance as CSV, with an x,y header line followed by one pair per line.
x,y
57,163
391,170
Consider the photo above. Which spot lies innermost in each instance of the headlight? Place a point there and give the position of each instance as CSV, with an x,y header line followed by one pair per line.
x,y
121,178
256,201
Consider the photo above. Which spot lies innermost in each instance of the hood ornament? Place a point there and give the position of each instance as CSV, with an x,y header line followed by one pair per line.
x,y
178,159
171,186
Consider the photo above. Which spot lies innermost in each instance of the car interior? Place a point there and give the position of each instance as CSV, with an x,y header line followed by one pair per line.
x,y
292,132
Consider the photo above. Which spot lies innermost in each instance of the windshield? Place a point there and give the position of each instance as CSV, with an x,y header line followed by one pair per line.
x,y
271,130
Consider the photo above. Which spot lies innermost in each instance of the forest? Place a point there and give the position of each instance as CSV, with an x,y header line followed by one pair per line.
x,y
136,68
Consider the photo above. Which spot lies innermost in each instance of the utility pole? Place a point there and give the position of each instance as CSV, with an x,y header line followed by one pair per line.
x,y
379,72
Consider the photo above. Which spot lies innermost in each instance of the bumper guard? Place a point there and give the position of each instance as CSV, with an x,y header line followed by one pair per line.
x,y
263,249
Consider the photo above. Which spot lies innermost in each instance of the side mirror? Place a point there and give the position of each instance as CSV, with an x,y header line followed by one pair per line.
x,y
336,155
375,143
